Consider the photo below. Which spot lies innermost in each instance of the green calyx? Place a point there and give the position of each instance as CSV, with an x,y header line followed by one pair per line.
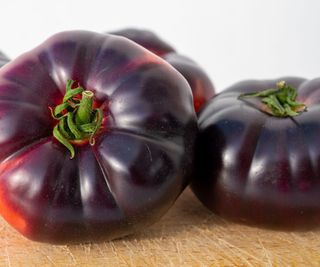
x,y
280,100
78,120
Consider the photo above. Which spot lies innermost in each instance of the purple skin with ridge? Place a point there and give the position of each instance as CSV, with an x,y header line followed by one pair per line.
x,y
200,83
259,169
142,156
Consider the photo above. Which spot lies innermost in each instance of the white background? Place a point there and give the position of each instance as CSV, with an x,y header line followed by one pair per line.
x,y
232,40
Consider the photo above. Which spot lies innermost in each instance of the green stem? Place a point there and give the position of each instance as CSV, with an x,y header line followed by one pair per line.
x,y
281,100
59,136
78,120
84,112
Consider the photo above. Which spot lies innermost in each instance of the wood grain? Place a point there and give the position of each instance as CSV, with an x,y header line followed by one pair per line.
x,y
189,235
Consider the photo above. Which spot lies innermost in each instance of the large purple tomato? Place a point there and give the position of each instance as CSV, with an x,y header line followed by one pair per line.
x,y
96,138
258,153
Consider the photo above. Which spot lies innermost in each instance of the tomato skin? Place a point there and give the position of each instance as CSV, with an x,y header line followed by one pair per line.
x,y
257,169
141,159
200,83
147,39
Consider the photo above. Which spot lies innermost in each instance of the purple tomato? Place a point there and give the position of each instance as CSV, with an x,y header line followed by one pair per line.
x,y
201,85
96,138
258,153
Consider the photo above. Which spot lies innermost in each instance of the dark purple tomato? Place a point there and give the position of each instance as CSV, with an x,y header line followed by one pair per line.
x,y
201,85
147,39
3,59
258,155
70,176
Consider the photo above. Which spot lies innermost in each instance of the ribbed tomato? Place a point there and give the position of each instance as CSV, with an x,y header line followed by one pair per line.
x,y
258,154
96,138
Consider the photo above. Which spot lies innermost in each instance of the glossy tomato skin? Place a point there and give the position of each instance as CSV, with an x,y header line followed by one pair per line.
x,y
142,156
200,83
258,169
147,39
3,59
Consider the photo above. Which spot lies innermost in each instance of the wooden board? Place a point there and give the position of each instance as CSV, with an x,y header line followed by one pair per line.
x,y
189,235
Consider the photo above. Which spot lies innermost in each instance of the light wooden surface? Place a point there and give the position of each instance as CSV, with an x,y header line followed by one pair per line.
x,y
189,235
